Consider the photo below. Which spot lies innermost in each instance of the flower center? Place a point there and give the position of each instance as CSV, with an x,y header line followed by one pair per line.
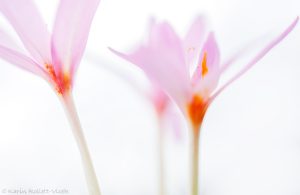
x,y
61,81
196,111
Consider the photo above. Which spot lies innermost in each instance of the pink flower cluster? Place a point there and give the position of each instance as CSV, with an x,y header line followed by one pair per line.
x,y
184,71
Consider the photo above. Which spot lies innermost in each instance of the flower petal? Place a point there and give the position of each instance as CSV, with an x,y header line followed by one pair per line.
x,y
162,60
160,71
164,40
22,61
70,32
206,75
29,25
258,57
194,39
209,58
240,52
120,73
8,42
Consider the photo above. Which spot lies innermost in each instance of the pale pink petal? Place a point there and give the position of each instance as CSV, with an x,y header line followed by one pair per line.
x,y
194,39
174,120
161,71
22,61
162,59
211,53
258,57
205,81
164,41
210,82
207,85
122,74
70,32
8,42
240,52
27,22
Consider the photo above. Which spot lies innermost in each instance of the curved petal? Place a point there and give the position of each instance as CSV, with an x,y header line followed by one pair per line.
x,y
162,59
22,61
209,59
240,52
206,75
194,39
173,119
160,70
164,41
29,25
70,32
166,62
8,42
258,57
121,74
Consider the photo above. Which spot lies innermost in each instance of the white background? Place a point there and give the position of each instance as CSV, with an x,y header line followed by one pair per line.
x,y
251,135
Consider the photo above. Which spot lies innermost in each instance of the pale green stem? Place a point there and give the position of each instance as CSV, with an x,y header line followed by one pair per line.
x,y
90,175
195,161
161,167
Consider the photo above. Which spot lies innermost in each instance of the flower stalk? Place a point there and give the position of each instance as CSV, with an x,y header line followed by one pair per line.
x,y
195,160
167,59
89,171
161,161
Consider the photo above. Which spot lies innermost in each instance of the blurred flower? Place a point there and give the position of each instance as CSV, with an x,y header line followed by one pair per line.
x,y
54,57
168,117
168,60
164,108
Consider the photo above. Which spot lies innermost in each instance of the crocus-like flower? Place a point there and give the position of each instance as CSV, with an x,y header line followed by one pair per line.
x,y
53,56
166,115
168,60
165,111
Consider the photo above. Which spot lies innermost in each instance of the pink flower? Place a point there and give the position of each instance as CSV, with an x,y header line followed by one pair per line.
x,y
168,60
56,56
165,110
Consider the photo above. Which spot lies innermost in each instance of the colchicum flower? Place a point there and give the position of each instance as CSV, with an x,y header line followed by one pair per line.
x,y
54,57
164,108
168,60
166,115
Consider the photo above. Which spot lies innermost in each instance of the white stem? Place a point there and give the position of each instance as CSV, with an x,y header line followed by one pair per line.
x,y
161,142
90,175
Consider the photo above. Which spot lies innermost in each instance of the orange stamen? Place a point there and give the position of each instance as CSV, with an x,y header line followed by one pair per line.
x,y
51,71
204,65
62,81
